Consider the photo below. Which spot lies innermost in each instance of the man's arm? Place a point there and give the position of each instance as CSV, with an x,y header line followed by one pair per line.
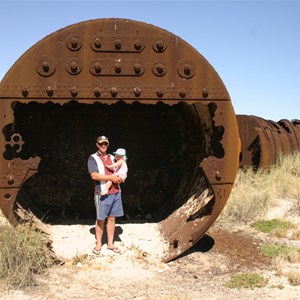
x,y
97,176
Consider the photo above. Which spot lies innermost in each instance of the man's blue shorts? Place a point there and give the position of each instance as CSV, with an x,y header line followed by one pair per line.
x,y
109,205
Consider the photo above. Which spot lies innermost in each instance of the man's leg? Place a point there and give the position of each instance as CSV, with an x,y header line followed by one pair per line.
x,y
111,222
116,210
99,227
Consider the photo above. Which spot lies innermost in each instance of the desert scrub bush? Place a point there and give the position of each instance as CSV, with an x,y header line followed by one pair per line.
x,y
294,256
23,253
246,280
274,250
274,227
267,226
293,277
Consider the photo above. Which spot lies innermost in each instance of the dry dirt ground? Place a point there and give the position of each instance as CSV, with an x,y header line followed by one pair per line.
x,y
138,273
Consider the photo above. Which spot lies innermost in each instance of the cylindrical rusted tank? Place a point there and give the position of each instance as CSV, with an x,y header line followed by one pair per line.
x,y
148,91
263,141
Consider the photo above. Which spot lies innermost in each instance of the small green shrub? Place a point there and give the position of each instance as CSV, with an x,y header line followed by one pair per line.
x,y
270,226
274,250
23,253
246,280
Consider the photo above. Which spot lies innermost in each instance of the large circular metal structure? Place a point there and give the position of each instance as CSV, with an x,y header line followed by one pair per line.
x,y
148,91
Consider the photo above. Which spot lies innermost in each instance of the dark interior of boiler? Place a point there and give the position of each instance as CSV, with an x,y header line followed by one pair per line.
x,y
165,145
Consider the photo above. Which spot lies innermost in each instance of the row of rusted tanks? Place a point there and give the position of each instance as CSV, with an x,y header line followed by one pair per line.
x,y
149,92
264,141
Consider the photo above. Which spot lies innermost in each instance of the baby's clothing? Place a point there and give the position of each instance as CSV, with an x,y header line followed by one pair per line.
x,y
122,170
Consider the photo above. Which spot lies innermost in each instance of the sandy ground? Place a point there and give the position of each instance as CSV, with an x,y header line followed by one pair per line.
x,y
138,273
144,238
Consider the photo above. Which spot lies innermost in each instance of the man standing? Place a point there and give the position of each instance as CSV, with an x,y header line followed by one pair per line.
x,y
108,206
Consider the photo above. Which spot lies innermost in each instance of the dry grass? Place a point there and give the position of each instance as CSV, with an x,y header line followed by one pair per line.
x,y
280,266
294,257
255,192
293,277
278,263
295,235
23,253
248,199
285,177
80,259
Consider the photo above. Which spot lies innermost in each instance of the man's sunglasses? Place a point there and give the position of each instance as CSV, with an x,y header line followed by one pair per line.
x,y
103,144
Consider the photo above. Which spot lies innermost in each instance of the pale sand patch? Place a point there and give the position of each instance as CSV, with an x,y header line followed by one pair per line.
x,y
141,244
284,209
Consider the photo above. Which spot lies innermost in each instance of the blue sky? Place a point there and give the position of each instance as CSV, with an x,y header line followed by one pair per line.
x,y
253,45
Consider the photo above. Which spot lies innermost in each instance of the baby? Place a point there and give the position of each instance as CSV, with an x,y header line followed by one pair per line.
x,y
120,167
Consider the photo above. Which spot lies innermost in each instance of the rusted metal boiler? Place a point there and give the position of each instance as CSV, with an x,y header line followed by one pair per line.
x,y
263,141
149,92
